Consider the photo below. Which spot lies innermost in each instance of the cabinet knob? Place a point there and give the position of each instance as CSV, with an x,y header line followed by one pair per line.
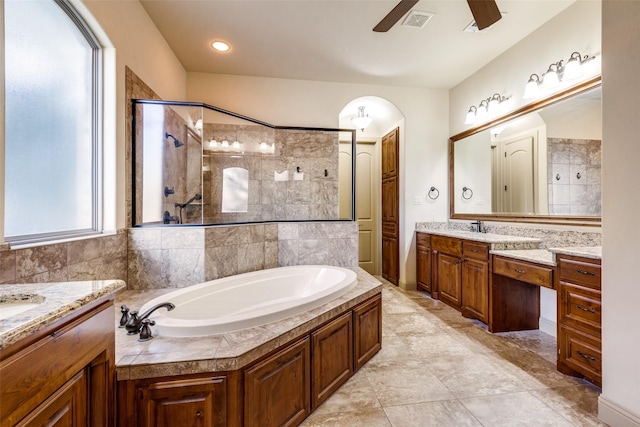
x,y
198,413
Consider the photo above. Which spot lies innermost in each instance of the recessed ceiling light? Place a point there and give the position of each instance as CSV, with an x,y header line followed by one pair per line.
x,y
220,46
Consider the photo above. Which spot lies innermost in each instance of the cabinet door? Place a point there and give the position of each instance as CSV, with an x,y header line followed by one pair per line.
x,y
332,349
390,257
67,407
367,330
195,402
423,269
449,279
276,390
475,289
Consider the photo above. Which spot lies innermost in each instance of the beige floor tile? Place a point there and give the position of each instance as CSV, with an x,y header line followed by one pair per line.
x,y
448,413
578,403
374,417
354,395
404,381
436,345
513,409
473,375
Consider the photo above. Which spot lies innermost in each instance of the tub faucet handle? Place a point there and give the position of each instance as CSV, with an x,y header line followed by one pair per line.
x,y
133,323
125,315
145,333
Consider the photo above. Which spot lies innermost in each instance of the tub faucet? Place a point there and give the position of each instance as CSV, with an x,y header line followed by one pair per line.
x,y
134,322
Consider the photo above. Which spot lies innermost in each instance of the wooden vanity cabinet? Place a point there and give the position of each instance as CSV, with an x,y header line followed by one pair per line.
x,y
475,281
62,375
579,317
423,264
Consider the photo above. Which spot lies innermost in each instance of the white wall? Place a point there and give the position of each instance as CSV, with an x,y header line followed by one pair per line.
x,y
577,28
423,152
140,46
620,399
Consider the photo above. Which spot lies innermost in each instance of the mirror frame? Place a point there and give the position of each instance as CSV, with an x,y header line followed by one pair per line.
x,y
594,221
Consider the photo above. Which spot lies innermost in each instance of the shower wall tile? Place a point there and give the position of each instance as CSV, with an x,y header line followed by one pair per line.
x,y
313,252
250,257
287,253
220,262
182,238
183,267
7,266
145,270
145,238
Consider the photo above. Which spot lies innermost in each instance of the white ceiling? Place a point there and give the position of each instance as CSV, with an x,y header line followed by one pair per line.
x,y
332,40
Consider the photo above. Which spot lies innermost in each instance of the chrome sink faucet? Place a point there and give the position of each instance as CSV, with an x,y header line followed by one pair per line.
x,y
134,323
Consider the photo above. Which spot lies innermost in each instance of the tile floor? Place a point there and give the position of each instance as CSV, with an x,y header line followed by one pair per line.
x,y
437,368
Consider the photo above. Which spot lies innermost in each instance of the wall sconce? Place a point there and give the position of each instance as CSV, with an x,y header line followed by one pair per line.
x,y
556,73
362,121
487,107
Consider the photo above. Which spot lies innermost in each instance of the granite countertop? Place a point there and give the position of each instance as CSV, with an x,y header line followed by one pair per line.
x,y
593,252
164,356
538,256
497,241
54,301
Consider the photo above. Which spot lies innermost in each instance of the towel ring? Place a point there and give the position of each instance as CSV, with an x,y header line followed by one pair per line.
x,y
431,191
466,190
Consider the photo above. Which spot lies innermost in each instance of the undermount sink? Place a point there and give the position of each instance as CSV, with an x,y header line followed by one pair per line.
x,y
14,304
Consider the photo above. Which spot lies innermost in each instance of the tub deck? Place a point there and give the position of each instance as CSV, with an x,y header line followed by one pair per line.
x,y
166,356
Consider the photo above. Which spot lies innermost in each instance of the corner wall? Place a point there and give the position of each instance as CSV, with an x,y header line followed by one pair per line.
x,y
619,404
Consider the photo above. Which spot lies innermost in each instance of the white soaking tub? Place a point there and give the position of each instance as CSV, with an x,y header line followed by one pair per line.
x,y
249,299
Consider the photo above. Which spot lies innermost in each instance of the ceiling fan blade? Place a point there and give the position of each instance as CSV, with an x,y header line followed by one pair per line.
x,y
485,12
392,17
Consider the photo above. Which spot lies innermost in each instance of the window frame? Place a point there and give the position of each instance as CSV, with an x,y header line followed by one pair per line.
x,y
97,117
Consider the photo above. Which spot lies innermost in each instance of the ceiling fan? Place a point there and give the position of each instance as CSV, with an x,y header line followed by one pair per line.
x,y
485,13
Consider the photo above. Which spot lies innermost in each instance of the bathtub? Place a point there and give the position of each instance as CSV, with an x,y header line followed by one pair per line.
x,y
248,300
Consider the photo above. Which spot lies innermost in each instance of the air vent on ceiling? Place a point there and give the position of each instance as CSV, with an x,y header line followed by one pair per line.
x,y
417,19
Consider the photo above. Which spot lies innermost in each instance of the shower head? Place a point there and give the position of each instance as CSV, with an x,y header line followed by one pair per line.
x,y
176,142
198,196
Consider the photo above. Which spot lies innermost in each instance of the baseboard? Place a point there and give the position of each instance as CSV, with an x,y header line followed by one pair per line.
x,y
408,286
548,326
615,415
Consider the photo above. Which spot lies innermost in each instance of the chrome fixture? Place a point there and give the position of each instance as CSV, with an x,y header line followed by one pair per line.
x,y
556,72
433,193
362,120
176,141
487,107
133,323
467,193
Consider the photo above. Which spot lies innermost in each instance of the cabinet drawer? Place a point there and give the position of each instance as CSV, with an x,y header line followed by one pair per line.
x,y
474,250
520,270
581,353
447,245
423,240
580,307
583,273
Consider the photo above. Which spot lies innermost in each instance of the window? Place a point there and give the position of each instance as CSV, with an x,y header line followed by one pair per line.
x,y
52,114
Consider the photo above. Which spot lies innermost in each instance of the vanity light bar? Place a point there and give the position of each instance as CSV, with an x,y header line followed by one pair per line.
x,y
556,72
487,107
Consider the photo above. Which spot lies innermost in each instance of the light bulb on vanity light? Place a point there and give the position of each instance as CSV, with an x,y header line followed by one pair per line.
x,y
213,143
236,144
471,115
481,112
225,144
531,90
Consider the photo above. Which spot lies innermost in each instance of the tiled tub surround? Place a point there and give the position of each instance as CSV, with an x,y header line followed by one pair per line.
x,y
172,257
549,238
166,356
574,176
57,300
94,258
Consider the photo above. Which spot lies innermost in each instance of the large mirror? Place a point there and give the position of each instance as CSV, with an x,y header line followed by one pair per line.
x,y
541,163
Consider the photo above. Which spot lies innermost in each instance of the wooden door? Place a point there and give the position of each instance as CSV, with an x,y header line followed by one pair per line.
x,y
287,371
199,402
332,364
449,279
67,407
518,184
475,289
390,207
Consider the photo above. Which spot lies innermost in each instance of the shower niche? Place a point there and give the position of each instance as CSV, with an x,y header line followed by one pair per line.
x,y
197,164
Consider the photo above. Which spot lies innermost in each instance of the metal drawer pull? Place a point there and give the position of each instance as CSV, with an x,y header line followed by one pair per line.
x,y
591,310
588,273
474,250
586,356
519,271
